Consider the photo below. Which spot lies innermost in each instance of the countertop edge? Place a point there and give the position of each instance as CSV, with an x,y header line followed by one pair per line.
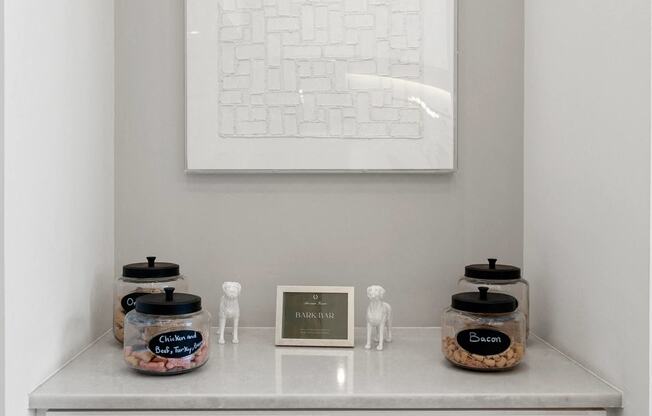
x,y
371,402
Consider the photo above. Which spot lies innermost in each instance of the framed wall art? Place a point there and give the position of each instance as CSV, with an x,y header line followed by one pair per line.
x,y
320,85
315,316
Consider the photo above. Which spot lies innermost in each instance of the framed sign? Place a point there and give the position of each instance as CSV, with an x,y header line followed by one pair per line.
x,y
321,86
315,316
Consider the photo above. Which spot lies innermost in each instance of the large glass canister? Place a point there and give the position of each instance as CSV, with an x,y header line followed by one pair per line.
x,y
499,278
140,279
483,331
167,333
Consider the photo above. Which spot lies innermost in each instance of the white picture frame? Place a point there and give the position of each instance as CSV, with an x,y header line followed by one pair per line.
x,y
348,341
433,150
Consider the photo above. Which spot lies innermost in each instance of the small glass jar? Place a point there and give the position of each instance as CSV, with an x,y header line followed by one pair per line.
x,y
483,331
167,333
140,279
499,278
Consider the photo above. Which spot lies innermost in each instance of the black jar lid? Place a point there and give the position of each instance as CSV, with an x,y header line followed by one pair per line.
x,y
492,271
484,302
151,269
168,303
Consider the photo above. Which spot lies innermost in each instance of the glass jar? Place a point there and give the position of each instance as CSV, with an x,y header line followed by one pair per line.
x,y
499,278
140,279
167,333
483,331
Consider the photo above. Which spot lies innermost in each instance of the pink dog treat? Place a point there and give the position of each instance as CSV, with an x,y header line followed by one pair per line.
x,y
179,362
152,366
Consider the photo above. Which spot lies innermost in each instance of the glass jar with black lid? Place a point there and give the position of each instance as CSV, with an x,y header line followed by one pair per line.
x,y
499,278
167,333
140,279
483,331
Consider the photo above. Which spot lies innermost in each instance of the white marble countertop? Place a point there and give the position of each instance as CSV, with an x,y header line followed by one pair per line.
x,y
411,373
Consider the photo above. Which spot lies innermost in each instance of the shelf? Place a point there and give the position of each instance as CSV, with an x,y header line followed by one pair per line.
x,y
410,374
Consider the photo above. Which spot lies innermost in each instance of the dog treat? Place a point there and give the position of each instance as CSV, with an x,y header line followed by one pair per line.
x,y
139,279
167,333
503,361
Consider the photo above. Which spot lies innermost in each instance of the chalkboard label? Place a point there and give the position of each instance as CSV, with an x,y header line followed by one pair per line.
x,y
176,344
128,302
483,341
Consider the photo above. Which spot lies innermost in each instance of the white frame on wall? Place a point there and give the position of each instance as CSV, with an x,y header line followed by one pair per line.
x,y
207,152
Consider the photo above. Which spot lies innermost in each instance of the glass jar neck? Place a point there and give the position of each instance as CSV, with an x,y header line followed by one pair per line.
x,y
150,280
484,314
172,317
492,281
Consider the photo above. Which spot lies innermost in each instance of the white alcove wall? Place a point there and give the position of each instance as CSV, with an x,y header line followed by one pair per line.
x,y
587,184
58,186
2,208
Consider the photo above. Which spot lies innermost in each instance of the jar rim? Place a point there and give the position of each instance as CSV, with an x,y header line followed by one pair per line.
x,y
142,280
492,271
168,303
150,269
483,301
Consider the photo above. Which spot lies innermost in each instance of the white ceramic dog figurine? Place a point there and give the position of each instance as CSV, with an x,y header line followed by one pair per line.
x,y
379,316
230,309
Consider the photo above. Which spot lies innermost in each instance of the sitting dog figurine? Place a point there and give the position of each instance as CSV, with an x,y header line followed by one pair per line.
x,y
230,309
379,315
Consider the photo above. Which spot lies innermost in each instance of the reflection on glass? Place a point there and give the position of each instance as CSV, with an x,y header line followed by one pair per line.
x,y
311,370
341,376
436,102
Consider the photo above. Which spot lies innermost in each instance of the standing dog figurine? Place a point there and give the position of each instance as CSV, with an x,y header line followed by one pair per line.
x,y
230,309
379,315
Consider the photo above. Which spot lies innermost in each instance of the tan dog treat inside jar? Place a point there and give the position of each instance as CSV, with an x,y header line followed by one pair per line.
x,y
167,334
483,331
140,279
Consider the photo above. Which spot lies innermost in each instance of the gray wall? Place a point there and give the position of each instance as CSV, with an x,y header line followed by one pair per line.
x,y
587,184
412,234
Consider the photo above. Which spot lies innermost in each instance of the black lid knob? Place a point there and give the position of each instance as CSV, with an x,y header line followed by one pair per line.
x,y
169,291
492,263
151,261
483,292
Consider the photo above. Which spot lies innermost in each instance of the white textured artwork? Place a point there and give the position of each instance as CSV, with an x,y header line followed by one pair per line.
x,y
320,85
319,68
